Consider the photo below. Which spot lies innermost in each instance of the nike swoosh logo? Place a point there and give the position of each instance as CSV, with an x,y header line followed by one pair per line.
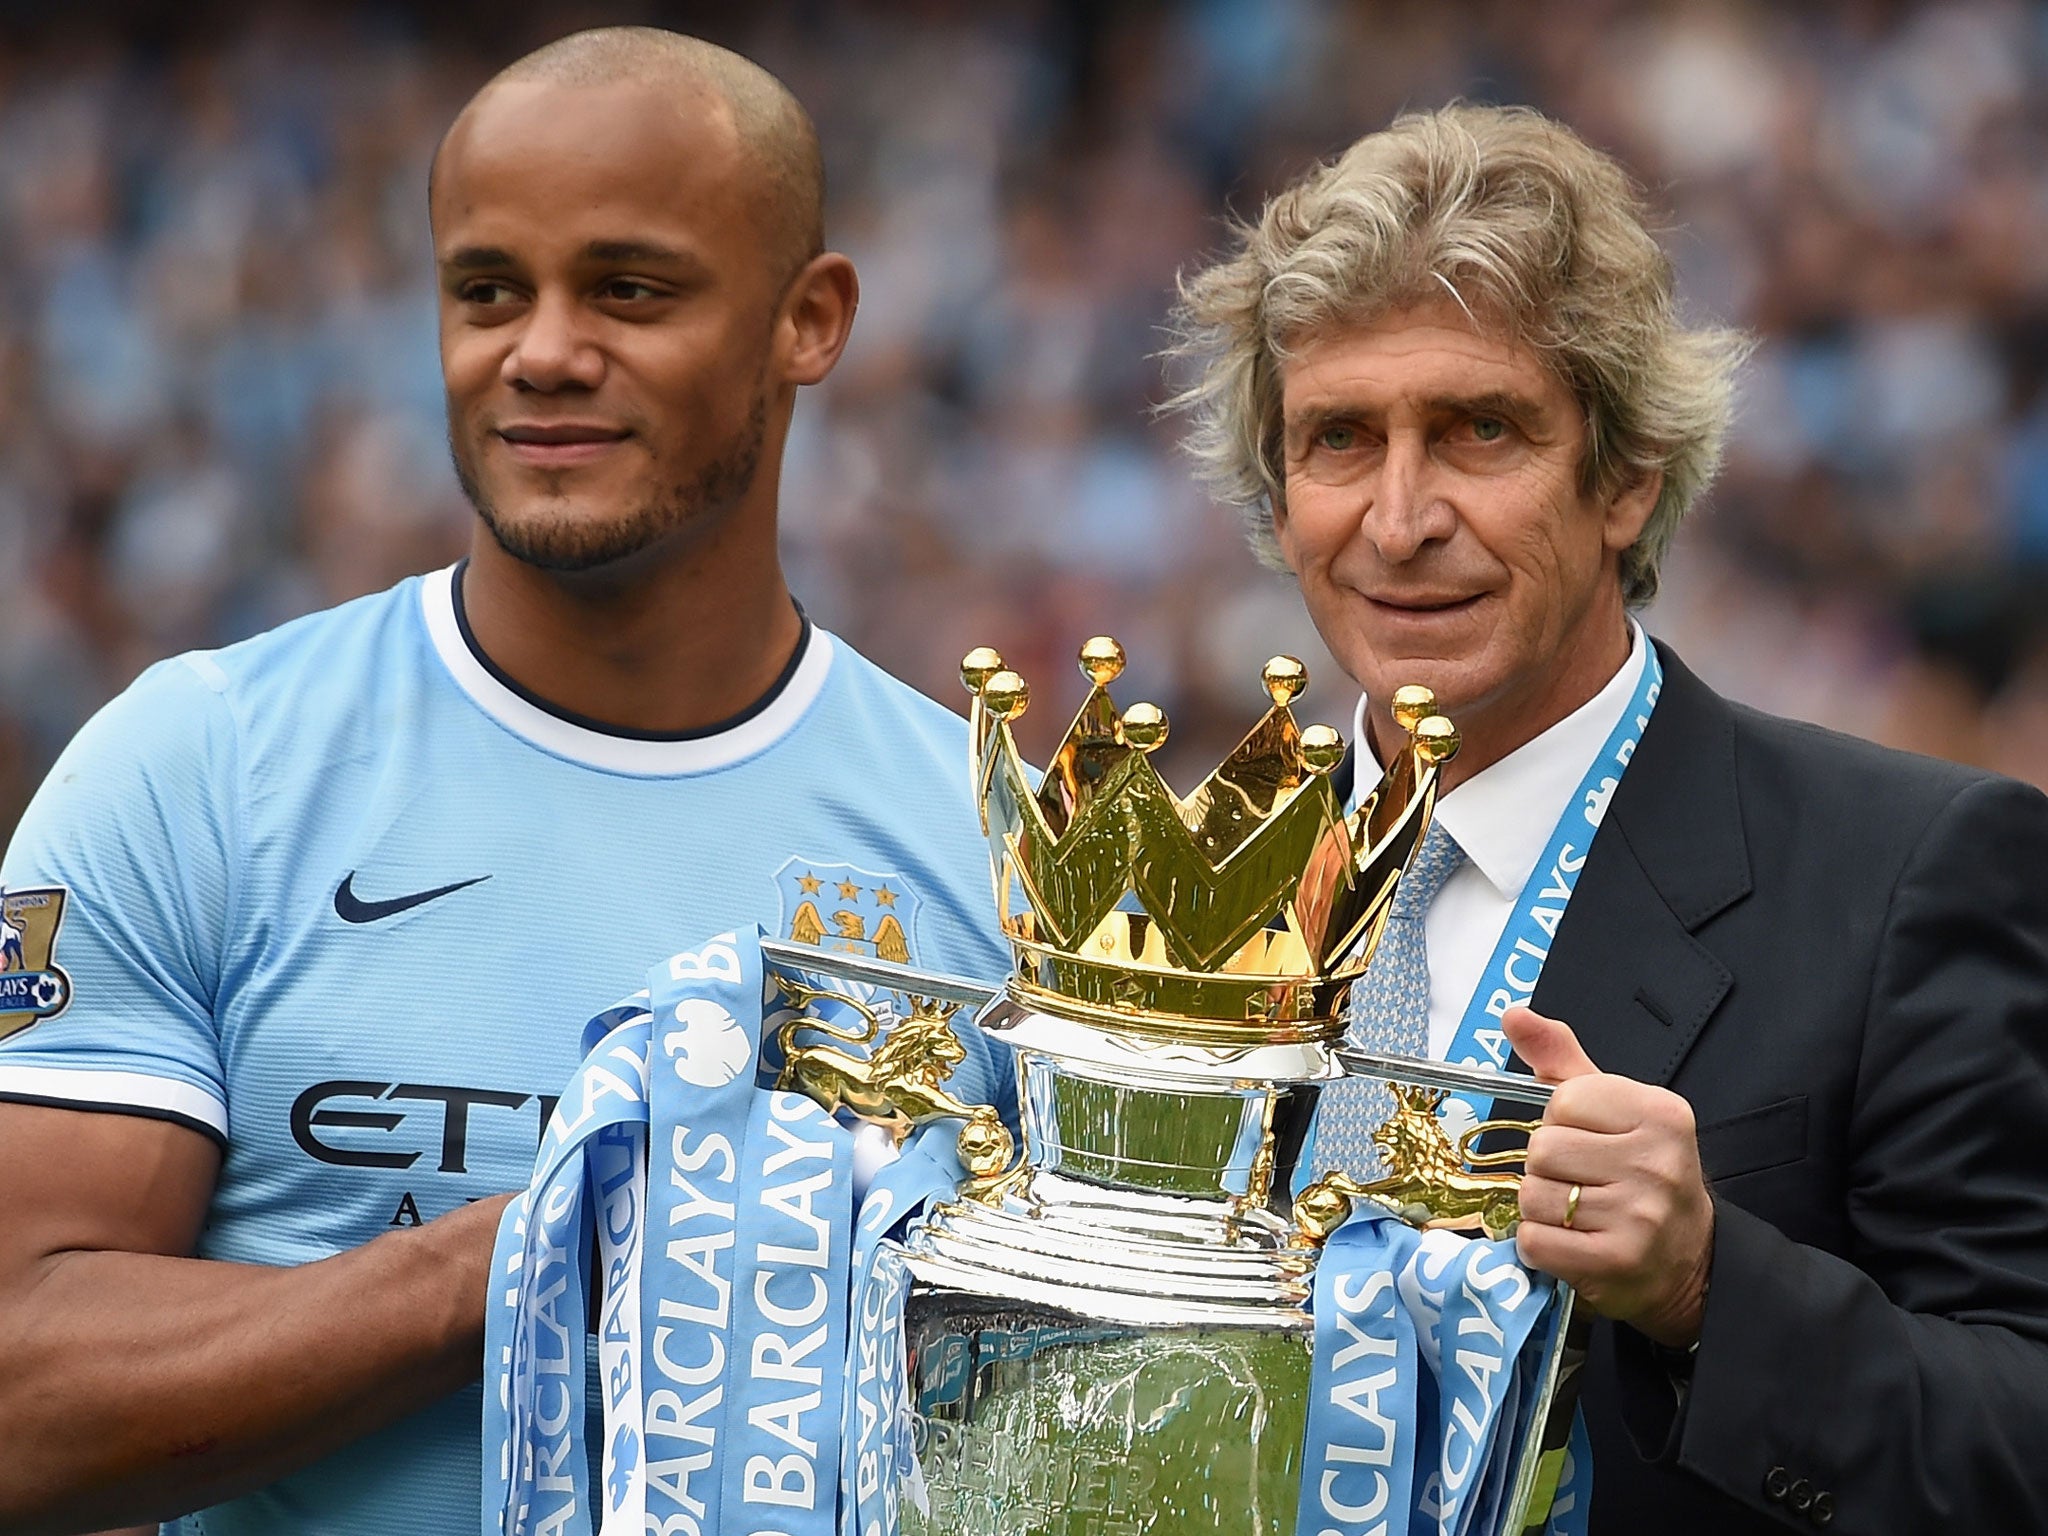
x,y
351,908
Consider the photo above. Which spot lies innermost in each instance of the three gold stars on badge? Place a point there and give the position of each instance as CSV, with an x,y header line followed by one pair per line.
x,y
848,890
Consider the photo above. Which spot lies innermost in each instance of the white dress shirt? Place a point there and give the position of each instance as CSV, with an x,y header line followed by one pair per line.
x,y
1503,817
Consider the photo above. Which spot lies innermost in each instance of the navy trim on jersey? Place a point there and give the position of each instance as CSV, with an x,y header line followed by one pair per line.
x,y
603,728
112,1107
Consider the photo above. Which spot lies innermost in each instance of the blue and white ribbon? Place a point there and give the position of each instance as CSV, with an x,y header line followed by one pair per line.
x,y
785,1447
1485,1307
879,1457
1422,1382
1358,1463
723,1221
535,1472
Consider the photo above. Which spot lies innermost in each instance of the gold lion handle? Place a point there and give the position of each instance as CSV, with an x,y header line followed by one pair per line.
x,y
899,1083
1431,1181
1506,1157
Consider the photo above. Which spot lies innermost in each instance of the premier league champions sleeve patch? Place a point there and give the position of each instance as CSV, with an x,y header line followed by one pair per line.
x,y
32,986
841,907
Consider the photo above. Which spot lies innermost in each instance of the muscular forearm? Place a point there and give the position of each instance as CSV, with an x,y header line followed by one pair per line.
x,y
139,1387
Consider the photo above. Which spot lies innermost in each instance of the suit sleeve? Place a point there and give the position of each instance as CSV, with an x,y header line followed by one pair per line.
x,y
1907,1380
132,832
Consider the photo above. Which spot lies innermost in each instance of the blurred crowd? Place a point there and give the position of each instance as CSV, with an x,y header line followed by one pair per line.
x,y
219,403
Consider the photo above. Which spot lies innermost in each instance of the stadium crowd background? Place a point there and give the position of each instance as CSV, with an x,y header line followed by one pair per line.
x,y
219,404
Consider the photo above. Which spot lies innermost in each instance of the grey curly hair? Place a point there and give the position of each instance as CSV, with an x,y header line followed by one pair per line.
x,y
1535,233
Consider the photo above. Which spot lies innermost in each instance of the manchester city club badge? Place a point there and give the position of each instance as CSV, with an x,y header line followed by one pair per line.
x,y
844,908
32,985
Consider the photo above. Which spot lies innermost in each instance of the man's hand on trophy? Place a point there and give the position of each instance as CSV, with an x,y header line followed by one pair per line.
x,y
1614,1202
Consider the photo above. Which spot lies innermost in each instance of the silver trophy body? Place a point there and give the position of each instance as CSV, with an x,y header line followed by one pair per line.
x,y
1118,1340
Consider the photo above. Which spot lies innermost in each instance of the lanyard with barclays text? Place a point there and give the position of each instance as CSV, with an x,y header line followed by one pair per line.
x,y
1516,965
1511,973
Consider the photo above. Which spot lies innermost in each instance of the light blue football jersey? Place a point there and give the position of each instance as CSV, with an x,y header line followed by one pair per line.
x,y
342,896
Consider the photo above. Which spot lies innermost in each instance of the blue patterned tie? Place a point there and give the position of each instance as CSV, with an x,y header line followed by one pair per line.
x,y
1389,1012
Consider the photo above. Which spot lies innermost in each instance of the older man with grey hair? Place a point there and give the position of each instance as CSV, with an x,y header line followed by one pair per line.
x,y
1793,987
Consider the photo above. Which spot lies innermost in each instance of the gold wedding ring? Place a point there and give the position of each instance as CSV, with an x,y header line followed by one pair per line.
x,y
1571,1203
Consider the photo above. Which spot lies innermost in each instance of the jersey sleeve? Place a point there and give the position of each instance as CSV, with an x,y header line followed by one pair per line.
x,y
132,839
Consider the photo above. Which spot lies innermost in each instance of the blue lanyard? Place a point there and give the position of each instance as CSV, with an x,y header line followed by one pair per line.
x,y
1512,971
1509,979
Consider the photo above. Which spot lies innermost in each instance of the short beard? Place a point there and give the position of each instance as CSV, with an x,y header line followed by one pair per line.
x,y
569,544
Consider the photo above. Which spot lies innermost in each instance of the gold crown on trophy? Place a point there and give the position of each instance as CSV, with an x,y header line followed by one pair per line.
x,y
1238,915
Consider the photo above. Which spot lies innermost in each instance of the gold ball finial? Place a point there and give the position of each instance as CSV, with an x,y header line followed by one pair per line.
x,y
1413,704
1102,660
985,1147
1436,738
1144,726
978,666
1322,749
1285,678
1006,695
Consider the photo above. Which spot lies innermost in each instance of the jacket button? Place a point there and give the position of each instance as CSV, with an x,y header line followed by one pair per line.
x,y
1801,1497
1777,1482
1823,1508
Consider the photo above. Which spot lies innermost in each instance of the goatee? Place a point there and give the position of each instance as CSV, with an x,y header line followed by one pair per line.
x,y
564,541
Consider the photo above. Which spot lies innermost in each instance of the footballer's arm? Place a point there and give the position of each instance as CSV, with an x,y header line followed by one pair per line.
x,y
137,1383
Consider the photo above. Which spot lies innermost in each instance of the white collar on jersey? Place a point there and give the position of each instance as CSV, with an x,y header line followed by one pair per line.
x,y
1503,815
596,748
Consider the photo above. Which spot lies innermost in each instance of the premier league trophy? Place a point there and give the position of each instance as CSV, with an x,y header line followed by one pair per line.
x,y
1116,1328
1164,1313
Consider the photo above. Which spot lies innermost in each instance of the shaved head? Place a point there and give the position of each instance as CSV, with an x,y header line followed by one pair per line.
x,y
633,287
777,141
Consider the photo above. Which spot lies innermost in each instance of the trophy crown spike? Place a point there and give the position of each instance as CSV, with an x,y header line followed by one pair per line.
x,y
1006,695
1436,738
1322,749
1239,913
1413,704
1145,727
1286,679
1102,660
978,666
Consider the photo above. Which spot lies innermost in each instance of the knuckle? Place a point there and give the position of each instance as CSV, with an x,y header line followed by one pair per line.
x,y
1649,1166
1679,1114
1568,1102
1674,1172
1655,1216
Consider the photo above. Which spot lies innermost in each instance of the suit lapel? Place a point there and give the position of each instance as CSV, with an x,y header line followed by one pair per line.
x,y
1626,970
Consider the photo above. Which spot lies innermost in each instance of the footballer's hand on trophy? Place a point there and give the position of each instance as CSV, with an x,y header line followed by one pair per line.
x,y
1614,1202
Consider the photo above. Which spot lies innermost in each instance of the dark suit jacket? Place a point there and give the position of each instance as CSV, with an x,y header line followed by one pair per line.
x,y
1839,955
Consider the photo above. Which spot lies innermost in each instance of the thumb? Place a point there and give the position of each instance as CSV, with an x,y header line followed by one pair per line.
x,y
1547,1045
